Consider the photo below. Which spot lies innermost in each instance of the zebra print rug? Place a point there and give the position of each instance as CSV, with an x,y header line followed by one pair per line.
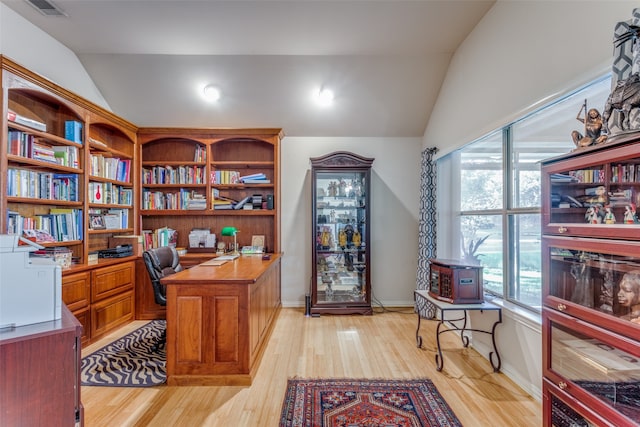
x,y
128,361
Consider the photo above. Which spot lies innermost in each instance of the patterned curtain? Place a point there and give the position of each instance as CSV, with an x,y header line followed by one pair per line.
x,y
426,228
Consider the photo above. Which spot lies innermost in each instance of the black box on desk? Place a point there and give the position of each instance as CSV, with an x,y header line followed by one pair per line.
x,y
455,282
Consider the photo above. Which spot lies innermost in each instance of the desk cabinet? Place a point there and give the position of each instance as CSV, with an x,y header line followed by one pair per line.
x,y
100,296
219,320
40,371
590,285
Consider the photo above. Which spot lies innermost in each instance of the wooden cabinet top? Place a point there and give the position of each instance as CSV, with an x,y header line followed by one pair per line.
x,y
243,270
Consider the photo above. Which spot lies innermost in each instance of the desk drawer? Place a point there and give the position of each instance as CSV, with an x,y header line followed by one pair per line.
x,y
75,290
112,280
111,313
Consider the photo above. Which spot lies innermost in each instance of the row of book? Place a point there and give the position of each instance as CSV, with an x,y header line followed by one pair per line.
x,y
171,175
109,193
587,176
110,168
233,177
42,185
200,154
27,145
625,173
163,236
181,199
62,224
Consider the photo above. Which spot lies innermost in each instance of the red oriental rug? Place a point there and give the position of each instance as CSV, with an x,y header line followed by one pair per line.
x,y
370,403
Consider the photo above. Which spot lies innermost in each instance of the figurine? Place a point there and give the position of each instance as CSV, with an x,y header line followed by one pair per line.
x,y
609,218
342,188
630,214
629,295
594,215
357,239
606,289
592,128
342,238
623,98
325,238
332,189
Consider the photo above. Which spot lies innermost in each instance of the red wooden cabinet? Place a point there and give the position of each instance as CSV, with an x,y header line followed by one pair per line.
x,y
40,371
591,285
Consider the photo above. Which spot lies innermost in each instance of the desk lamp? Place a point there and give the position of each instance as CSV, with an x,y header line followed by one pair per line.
x,y
231,231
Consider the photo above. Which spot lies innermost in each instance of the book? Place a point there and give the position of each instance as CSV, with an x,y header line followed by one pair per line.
x,y
241,203
16,118
256,181
253,176
73,131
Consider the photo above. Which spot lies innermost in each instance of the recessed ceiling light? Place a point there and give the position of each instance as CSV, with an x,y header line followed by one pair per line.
x,y
324,97
211,93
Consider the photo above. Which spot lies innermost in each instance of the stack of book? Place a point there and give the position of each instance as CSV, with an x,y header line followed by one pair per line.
x,y
196,202
256,178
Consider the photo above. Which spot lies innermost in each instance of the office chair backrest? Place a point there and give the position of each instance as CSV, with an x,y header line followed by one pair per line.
x,y
161,262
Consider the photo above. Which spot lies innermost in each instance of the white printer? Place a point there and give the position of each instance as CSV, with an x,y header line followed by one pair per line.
x,y
30,292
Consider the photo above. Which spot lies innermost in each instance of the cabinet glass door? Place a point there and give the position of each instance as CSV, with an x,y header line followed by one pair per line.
x,y
341,237
594,279
599,368
593,196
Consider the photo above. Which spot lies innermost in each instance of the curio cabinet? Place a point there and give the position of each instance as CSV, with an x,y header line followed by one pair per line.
x,y
591,285
341,278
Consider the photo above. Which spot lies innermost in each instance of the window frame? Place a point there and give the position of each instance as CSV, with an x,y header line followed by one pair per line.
x,y
509,212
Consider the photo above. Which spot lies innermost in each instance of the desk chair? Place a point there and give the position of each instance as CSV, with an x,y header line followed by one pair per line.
x,y
161,262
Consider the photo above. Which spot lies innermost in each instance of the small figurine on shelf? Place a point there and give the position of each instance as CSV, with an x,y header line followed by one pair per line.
x,y
594,214
325,238
342,188
332,216
630,216
609,218
332,189
342,238
357,239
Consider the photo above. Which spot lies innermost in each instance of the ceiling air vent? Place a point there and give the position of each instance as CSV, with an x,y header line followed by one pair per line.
x,y
46,7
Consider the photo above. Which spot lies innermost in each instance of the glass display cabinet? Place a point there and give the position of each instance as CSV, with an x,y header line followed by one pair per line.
x,y
591,286
341,281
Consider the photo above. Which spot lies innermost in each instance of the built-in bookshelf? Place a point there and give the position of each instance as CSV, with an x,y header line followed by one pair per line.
x,y
194,179
111,182
65,162
43,185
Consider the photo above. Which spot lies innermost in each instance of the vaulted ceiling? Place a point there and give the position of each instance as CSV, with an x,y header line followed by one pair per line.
x,y
385,60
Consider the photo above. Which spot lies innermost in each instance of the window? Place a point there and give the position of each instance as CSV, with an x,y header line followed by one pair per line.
x,y
496,217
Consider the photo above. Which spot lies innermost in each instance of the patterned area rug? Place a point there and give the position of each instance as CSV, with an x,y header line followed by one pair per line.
x,y
128,361
346,402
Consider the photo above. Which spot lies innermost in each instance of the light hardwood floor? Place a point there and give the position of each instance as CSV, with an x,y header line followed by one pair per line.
x,y
379,346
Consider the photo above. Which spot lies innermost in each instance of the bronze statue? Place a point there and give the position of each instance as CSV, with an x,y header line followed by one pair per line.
x,y
623,98
592,128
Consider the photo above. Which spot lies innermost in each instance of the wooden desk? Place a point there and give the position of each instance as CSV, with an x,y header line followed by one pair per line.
x,y
445,307
219,319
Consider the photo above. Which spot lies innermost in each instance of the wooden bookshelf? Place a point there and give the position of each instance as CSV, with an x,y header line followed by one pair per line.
x,y
243,151
34,99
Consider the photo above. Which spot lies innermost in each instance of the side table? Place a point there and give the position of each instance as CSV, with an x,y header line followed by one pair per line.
x,y
452,324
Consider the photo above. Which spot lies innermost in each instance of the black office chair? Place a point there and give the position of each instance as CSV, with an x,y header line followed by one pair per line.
x,y
161,262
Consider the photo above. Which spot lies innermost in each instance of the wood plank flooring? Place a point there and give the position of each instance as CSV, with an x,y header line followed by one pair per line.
x,y
379,346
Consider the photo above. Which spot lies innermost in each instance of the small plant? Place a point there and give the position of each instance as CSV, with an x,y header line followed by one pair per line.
x,y
469,252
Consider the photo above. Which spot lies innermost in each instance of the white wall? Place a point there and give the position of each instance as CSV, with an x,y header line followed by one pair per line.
x,y
395,181
520,55
34,49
